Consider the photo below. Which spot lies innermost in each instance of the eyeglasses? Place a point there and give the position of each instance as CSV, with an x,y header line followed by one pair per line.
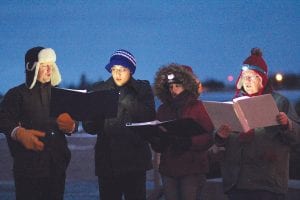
x,y
250,77
119,70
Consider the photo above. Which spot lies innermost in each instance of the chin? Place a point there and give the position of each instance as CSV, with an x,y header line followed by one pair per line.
x,y
119,84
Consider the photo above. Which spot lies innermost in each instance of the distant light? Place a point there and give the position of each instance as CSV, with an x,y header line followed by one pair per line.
x,y
278,77
230,78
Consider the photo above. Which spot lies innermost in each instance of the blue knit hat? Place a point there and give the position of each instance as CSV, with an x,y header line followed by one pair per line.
x,y
124,58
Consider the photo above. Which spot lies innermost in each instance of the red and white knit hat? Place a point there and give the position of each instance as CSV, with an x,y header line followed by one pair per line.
x,y
256,63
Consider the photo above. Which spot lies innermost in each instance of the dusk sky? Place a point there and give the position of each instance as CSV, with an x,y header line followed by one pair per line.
x,y
214,37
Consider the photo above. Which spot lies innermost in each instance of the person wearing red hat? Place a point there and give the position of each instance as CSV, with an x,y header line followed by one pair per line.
x,y
253,78
256,163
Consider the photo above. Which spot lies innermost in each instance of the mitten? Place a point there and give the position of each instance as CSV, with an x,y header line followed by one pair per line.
x,y
158,144
30,139
65,123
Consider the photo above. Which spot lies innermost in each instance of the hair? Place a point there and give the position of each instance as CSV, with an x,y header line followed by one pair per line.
x,y
185,76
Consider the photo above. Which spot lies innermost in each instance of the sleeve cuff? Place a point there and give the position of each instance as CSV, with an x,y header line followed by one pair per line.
x,y
13,134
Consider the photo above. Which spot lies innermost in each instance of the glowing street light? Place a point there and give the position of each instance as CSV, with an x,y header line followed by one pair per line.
x,y
230,78
278,77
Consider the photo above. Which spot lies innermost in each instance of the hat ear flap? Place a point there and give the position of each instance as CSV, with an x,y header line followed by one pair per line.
x,y
239,82
56,77
36,67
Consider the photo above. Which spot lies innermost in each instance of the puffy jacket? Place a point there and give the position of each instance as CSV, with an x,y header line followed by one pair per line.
x,y
261,163
193,160
30,108
119,149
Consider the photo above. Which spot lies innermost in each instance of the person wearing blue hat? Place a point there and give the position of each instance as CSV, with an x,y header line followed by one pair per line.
x,y
122,156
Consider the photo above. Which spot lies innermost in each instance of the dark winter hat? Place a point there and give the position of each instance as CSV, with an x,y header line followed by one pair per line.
x,y
256,63
173,78
124,58
33,58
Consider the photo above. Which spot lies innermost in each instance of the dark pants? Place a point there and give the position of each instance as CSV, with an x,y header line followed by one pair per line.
x,y
186,187
132,185
254,195
46,188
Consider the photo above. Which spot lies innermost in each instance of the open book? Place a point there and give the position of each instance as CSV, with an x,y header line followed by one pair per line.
x,y
184,127
82,105
243,113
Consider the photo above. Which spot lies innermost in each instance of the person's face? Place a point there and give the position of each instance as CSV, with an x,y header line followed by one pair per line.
x,y
120,74
252,82
45,72
175,89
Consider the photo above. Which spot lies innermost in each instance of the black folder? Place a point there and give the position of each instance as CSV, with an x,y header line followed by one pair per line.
x,y
184,127
84,106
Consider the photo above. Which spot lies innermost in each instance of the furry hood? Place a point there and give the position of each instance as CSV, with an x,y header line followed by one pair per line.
x,y
179,73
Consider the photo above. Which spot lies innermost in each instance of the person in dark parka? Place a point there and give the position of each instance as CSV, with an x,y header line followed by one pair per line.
x,y
121,155
183,160
36,141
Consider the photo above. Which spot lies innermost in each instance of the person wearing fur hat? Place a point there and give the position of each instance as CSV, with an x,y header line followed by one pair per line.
x,y
183,161
121,155
256,163
36,141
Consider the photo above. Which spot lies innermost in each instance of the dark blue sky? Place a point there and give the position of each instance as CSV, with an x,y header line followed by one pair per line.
x,y
214,37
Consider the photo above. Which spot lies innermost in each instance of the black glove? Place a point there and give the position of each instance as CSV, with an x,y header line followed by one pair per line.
x,y
158,144
180,143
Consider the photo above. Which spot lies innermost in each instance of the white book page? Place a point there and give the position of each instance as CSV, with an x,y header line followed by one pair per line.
x,y
259,111
241,116
222,113
75,90
153,123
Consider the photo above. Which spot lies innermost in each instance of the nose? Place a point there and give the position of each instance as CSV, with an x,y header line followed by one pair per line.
x,y
49,67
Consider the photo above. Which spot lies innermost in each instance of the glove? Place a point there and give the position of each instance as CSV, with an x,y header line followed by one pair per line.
x,y
65,123
158,144
30,139
181,143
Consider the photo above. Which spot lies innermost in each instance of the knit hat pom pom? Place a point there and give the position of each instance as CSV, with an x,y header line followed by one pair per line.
x,y
256,51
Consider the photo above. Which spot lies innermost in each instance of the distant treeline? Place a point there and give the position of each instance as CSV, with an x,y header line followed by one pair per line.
x,y
289,82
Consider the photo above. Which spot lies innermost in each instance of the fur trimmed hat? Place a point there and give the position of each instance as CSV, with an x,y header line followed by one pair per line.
x,y
123,58
174,73
33,58
256,63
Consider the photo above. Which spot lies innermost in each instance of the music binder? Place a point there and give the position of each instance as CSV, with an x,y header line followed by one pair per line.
x,y
83,106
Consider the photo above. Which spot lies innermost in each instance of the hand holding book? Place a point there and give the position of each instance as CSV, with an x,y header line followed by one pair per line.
x,y
244,113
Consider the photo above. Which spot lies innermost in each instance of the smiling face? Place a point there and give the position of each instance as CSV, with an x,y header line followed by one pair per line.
x,y
252,82
45,72
120,74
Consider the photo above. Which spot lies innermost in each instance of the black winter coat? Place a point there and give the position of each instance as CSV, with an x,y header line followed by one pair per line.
x,y
118,148
30,109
